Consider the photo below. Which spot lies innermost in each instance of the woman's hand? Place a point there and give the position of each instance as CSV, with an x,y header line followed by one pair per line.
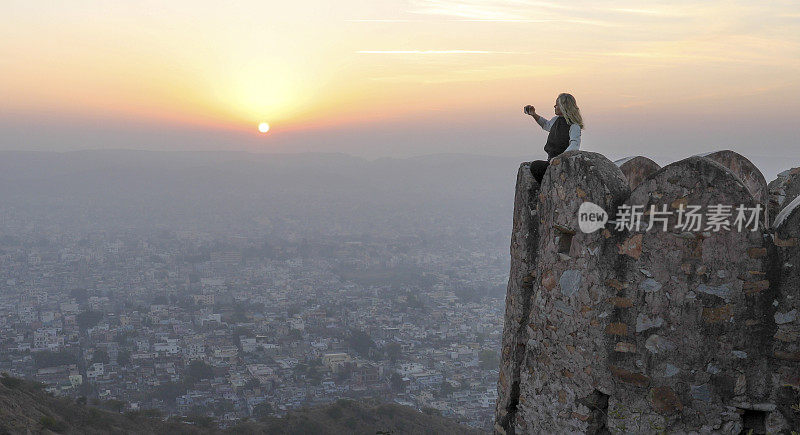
x,y
530,110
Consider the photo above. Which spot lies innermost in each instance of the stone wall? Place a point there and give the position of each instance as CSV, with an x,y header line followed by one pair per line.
x,y
636,169
783,190
637,330
524,249
785,345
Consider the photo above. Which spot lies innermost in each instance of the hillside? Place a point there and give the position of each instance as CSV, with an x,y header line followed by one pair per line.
x,y
26,408
351,417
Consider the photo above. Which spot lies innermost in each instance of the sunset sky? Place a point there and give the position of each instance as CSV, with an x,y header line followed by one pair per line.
x,y
399,78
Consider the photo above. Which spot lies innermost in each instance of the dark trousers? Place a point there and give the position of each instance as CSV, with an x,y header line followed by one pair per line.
x,y
538,168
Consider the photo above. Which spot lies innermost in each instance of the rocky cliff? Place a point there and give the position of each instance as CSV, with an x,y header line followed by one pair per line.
x,y
677,328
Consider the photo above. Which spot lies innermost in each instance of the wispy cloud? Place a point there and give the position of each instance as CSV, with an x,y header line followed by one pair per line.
x,y
474,74
485,9
439,52
555,20
389,20
484,20
488,20
474,9
650,12
380,21
543,11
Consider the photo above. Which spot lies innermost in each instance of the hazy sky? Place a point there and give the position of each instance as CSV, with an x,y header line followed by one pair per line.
x,y
663,79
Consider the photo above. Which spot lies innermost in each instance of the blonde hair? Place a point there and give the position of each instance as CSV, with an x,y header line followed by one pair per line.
x,y
569,109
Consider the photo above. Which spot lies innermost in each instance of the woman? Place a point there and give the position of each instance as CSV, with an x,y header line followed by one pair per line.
x,y
565,131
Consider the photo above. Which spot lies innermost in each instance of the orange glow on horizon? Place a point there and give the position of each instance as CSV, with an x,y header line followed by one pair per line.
x,y
346,64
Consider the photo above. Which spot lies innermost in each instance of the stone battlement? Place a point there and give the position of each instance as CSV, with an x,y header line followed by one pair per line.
x,y
630,330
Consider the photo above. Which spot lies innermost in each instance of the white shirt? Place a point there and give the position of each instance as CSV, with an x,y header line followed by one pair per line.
x,y
574,132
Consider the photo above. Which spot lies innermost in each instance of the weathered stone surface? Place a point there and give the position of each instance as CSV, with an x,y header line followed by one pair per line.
x,y
702,305
632,246
756,252
628,330
621,302
701,392
625,347
750,175
524,251
650,285
722,290
636,169
665,401
783,190
670,370
717,314
789,317
657,344
644,322
785,274
617,329
570,282
569,324
630,377
783,217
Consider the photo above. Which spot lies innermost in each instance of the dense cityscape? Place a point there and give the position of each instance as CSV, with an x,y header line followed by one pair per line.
x,y
231,327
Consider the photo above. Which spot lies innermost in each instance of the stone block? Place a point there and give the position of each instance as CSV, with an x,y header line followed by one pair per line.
x,y
749,173
636,169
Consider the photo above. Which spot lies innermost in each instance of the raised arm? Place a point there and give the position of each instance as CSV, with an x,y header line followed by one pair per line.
x,y
544,123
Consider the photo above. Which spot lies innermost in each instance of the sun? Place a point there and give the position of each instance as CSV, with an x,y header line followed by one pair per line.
x,y
263,127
